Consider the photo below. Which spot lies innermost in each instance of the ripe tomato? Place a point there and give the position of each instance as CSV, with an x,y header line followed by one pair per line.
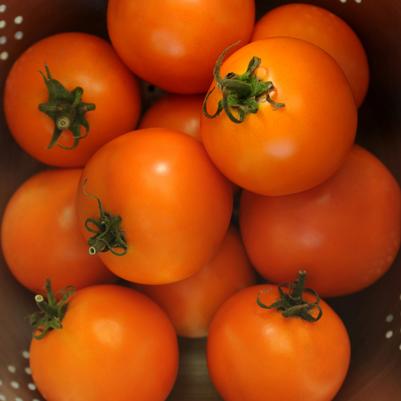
x,y
40,236
286,147
324,29
256,354
168,206
114,344
191,303
176,112
345,233
174,43
75,60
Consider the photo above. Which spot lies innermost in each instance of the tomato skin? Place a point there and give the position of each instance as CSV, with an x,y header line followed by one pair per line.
x,y
175,112
155,180
345,233
95,355
191,303
270,357
74,59
177,42
282,151
322,28
40,237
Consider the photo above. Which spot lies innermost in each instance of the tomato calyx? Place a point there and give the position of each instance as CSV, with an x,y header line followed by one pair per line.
x,y
51,311
107,233
66,109
291,302
240,93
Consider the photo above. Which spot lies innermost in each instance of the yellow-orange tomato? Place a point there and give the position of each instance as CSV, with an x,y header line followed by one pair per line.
x,y
115,344
75,60
256,354
345,232
176,112
191,303
281,149
170,206
174,43
40,236
324,29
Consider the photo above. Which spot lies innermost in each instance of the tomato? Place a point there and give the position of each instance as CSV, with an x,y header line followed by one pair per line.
x,y
174,43
114,344
168,208
324,29
109,105
40,236
345,233
256,354
191,303
176,112
294,133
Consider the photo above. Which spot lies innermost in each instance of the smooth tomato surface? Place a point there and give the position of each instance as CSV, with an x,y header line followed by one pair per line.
x,y
345,233
74,59
191,303
294,148
176,112
322,28
115,344
40,236
257,355
174,204
175,43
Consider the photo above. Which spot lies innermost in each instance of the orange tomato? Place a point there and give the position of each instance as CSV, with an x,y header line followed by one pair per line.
x,y
168,206
322,28
40,237
176,112
75,60
114,344
174,43
256,354
295,133
345,233
191,303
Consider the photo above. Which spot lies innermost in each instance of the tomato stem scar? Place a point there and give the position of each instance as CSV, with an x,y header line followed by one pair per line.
x,y
240,93
291,302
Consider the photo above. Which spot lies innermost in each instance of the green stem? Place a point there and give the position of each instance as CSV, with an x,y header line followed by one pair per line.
x,y
241,94
291,302
66,109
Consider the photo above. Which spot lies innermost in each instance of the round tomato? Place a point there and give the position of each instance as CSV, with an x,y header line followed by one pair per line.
x,y
40,236
279,129
345,233
176,112
113,344
324,29
66,96
174,43
257,354
191,303
153,206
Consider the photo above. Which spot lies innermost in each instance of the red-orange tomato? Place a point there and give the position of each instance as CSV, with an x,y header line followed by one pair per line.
x,y
176,112
174,43
40,236
174,205
345,233
256,354
324,29
294,148
115,344
191,303
75,60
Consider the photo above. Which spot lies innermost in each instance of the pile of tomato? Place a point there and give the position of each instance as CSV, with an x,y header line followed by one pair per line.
x,y
135,240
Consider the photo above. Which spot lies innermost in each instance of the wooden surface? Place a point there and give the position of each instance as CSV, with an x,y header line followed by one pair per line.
x,y
376,361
